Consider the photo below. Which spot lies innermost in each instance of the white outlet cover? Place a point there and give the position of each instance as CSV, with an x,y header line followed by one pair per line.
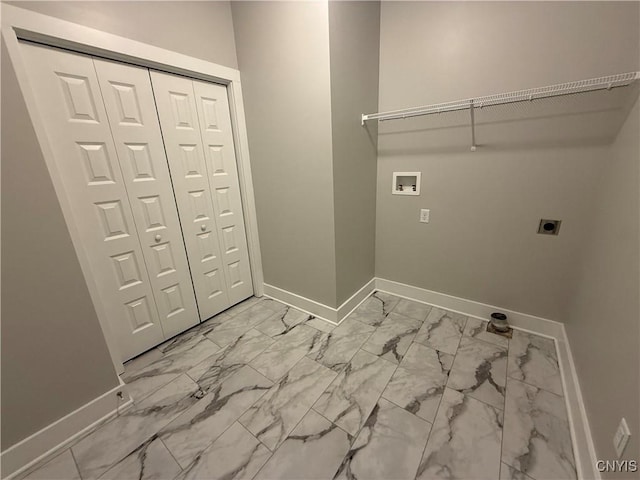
x,y
621,437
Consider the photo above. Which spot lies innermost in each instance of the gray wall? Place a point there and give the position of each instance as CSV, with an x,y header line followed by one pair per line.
x,y
283,54
54,356
199,29
603,325
485,206
354,37
52,344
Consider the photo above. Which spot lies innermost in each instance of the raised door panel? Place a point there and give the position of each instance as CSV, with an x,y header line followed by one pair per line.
x,y
220,159
131,111
69,101
179,122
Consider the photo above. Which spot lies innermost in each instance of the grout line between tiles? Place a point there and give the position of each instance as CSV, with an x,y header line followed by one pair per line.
x,y
441,397
75,462
536,386
170,453
506,347
265,463
400,406
206,447
504,410
332,423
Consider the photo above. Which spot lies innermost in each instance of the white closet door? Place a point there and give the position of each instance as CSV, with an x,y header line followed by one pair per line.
x,y
69,101
128,97
215,126
176,107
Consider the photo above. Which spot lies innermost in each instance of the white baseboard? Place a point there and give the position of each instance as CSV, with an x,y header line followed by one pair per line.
x,y
356,299
319,310
43,445
307,305
584,449
521,321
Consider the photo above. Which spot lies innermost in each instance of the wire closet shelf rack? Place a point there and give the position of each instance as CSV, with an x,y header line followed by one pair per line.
x,y
570,88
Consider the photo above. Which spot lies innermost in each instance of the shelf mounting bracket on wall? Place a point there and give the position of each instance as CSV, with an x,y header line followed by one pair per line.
x,y
581,86
473,126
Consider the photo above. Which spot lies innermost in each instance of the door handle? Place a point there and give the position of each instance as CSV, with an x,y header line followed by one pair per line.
x,y
158,238
203,227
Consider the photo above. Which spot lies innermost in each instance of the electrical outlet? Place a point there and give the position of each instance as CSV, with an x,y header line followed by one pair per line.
x,y
621,437
424,215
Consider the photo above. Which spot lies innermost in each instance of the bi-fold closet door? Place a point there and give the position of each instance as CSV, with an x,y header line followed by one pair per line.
x,y
199,142
102,123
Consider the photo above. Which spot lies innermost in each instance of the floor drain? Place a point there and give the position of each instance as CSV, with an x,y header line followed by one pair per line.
x,y
507,334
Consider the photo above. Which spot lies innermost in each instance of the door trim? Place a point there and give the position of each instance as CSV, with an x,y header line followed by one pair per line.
x,y
20,24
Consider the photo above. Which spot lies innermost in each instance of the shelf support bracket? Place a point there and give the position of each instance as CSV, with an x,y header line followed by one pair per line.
x,y
473,126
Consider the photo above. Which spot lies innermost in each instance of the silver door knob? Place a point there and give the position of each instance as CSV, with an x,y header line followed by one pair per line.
x,y
203,227
158,238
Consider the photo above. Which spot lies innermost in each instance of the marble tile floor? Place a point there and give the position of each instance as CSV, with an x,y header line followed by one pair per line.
x,y
399,390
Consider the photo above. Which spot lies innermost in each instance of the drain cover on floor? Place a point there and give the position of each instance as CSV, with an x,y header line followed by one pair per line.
x,y
507,334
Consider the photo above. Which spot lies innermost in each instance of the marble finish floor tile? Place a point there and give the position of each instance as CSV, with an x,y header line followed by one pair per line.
x,y
353,394
465,440
480,371
365,314
272,304
207,326
276,414
537,436
533,360
314,450
282,355
509,473
393,337
170,365
319,324
389,446
233,357
62,467
235,455
186,340
101,449
228,335
478,329
386,301
419,357
375,308
264,302
442,330
283,322
150,461
243,305
335,349
141,361
193,431
228,331
411,309
266,391
418,384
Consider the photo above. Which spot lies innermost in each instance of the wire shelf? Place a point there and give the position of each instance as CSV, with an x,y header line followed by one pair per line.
x,y
589,85
563,89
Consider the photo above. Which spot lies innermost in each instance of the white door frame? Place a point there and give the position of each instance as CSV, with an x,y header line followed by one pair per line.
x,y
19,24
